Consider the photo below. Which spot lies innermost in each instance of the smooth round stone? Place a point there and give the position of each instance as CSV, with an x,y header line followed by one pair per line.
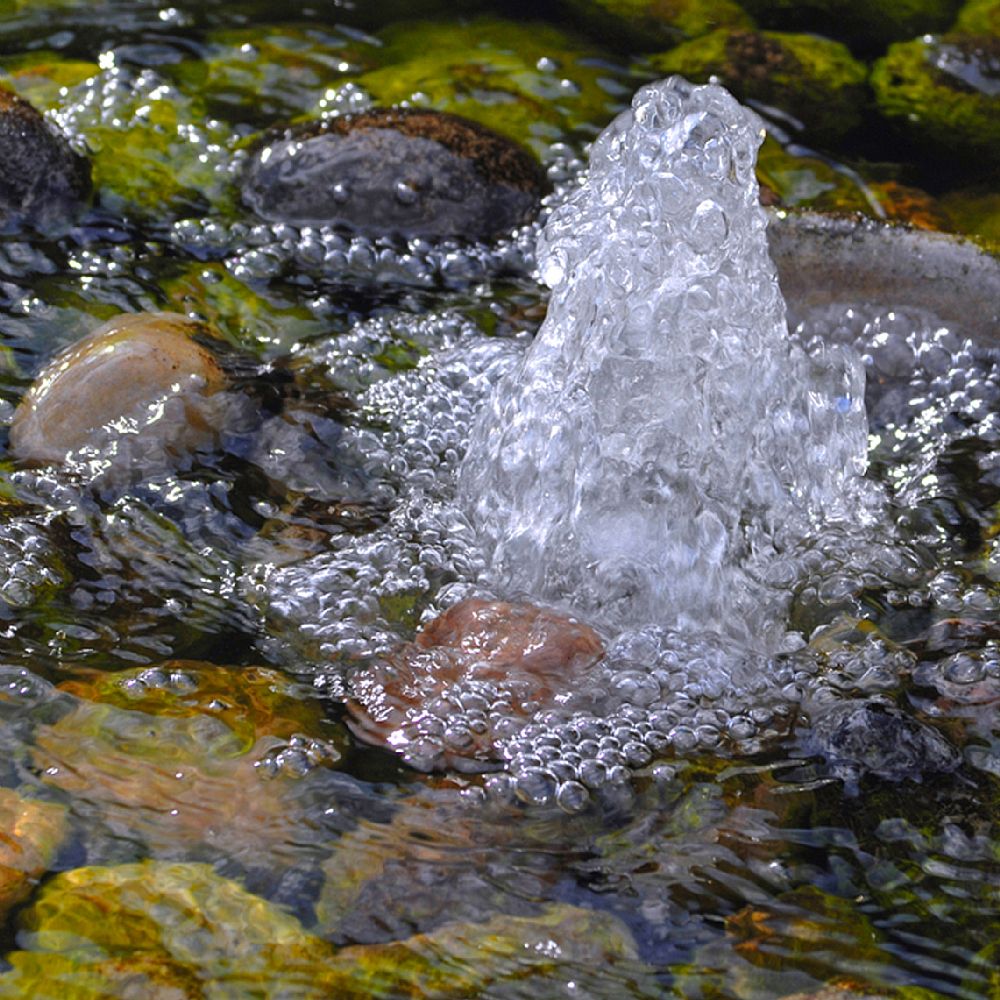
x,y
42,181
119,371
401,171
522,656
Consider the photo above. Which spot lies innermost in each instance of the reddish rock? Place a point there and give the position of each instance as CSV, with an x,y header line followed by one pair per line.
x,y
466,680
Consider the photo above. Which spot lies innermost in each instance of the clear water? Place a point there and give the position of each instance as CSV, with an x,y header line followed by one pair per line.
x,y
685,796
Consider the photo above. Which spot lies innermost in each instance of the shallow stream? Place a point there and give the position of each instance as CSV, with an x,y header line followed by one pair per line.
x,y
185,811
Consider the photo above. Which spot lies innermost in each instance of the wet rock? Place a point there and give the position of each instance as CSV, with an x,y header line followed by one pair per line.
x,y
979,17
396,171
507,659
179,757
43,183
122,372
944,95
528,81
867,24
31,831
179,930
646,24
816,81
873,737
976,213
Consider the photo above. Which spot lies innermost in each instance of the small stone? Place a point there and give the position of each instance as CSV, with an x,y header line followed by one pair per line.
x,y
399,171
119,371
520,653
43,182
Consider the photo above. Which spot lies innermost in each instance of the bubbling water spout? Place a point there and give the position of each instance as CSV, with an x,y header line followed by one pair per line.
x,y
664,453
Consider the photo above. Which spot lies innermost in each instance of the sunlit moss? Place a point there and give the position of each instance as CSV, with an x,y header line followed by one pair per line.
x,y
528,81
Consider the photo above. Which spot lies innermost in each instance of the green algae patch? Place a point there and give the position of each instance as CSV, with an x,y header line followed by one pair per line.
x,y
263,76
154,151
527,81
809,182
978,17
190,757
41,76
31,832
943,94
867,24
816,81
976,214
650,24
183,927
246,316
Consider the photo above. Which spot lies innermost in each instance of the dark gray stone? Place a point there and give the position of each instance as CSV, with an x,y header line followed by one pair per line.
x,y
404,172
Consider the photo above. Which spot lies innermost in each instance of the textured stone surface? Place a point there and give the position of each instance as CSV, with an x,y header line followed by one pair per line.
x,y
405,171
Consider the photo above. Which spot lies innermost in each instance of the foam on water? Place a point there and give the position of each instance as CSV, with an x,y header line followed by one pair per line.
x,y
664,450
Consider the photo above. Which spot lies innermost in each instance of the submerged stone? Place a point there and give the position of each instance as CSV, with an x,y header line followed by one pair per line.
x,y
873,737
43,182
646,24
816,81
944,95
511,659
31,831
123,373
178,757
180,930
396,171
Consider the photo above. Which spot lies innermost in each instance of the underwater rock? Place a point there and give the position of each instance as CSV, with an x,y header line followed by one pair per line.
x,y
874,737
178,756
816,81
528,81
43,183
31,831
943,93
123,373
183,931
649,24
510,659
866,24
396,171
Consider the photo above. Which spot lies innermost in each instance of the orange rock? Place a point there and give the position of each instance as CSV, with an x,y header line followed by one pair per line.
x,y
508,659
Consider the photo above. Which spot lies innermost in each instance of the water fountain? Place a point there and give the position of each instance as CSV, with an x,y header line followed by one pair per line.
x,y
664,453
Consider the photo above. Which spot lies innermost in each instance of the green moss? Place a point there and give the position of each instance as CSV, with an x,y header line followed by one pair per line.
x,y
650,24
528,81
940,110
809,182
271,75
979,17
812,79
975,213
153,149
244,315
181,926
867,24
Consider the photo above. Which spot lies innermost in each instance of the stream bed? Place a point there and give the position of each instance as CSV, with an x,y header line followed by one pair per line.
x,y
190,617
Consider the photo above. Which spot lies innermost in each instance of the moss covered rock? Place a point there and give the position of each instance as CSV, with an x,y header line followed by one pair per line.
x,y
975,213
944,94
867,24
178,756
43,182
530,82
812,79
650,24
181,930
31,831
978,17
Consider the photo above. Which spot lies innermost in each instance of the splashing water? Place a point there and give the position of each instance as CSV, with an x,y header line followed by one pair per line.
x,y
664,453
